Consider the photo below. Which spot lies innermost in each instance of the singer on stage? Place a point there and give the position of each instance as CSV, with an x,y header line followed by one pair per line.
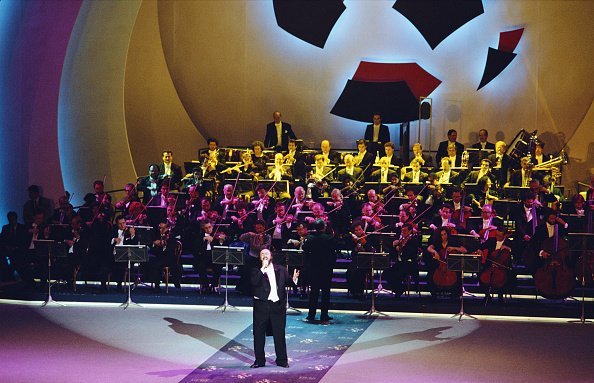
x,y
269,284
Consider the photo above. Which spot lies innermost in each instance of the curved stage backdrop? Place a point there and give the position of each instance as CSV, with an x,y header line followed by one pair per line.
x,y
96,89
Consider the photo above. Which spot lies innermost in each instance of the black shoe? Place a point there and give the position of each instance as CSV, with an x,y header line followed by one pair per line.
x,y
326,319
257,365
282,364
177,285
310,319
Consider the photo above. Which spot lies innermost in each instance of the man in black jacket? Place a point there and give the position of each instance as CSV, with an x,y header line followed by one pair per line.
x,y
269,284
277,129
320,256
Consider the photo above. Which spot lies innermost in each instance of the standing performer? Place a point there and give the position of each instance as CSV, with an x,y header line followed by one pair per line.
x,y
320,256
269,284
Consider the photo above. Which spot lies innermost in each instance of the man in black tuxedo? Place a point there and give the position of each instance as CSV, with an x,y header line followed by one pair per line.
x,y
442,150
278,129
37,202
483,143
363,158
377,133
169,169
13,244
320,256
269,283
501,163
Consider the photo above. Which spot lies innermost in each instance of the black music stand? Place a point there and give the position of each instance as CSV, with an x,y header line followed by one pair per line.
x,y
462,263
373,261
50,249
291,257
278,188
514,192
581,242
226,255
130,253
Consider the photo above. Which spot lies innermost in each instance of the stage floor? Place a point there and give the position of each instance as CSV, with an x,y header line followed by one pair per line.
x,y
101,342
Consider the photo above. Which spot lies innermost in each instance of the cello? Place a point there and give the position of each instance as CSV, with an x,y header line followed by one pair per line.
x,y
495,276
442,277
555,280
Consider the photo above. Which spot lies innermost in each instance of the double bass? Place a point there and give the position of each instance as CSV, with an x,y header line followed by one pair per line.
x,y
555,280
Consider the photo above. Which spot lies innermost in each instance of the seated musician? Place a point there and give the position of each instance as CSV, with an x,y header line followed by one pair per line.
x,y
64,213
522,177
446,175
296,240
527,218
440,245
169,169
319,212
120,235
215,158
77,244
102,198
485,228
259,159
137,215
444,219
457,207
164,197
484,171
538,157
131,196
162,254
443,149
501,162
296,160
577,214
225,202
283,225
350,173
455,157
415,175
375,201
485,194
435,193
546,230
483,143
207,213
279,171
150,185
330,156
262,205
300,202
393,159
363,158
320,170
395,187
424,159
370,220
338,213
247,169
242,222
355,276
191,179
384,173
202,253
413,204
493,257
542,195
407,263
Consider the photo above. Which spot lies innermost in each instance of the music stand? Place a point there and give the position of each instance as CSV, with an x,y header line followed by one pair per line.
x,y
130,253
291,257
462,263
581,242
373,261
227,255
49,248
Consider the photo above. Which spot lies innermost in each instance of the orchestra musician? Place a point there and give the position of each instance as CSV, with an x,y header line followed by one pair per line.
x,y
130,196
393,159
296,159
484,171
484,194
444,219
384,173
14,240
330,156
356,276
415,175
538,157
214,159
483,143
406,260
320,170
121,234
363,158
446,175
522,177
263,204
496,271
442,150
259,159
204,240
36,202
501,163
441,244
424,159
319,213
206,212
170,170
162,254
278,132
102,198
225,202
150,185
136,215
546,230
486,227
64,213
279,171
283,226
377,132
350,172
339,213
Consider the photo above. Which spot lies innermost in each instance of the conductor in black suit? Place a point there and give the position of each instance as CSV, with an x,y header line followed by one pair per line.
x,y
278,129
269,284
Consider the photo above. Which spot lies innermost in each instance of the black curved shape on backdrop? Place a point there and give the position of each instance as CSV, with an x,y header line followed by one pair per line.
x,y
497,61
309,20
393,100
437,19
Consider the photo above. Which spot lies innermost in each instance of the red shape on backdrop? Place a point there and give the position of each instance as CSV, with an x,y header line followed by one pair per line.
x,y
508,41
420,82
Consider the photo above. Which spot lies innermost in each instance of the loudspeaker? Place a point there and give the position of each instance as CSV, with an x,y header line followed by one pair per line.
x,y
425,110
